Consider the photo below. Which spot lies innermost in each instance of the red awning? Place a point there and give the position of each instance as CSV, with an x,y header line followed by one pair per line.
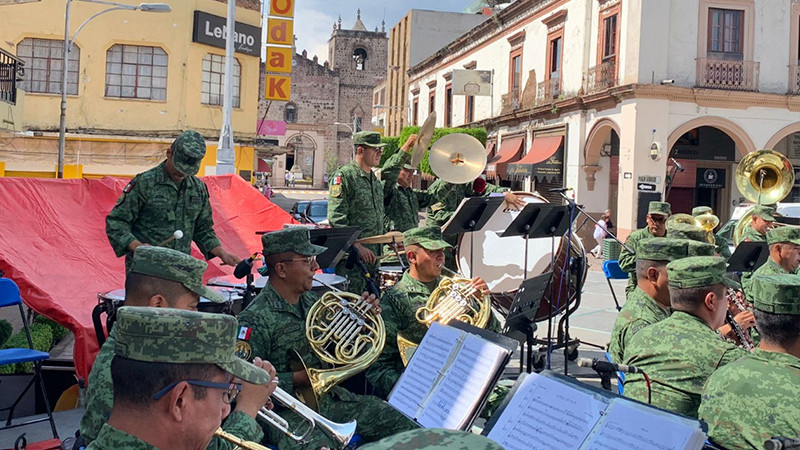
x,y
263,166
509,151
541,149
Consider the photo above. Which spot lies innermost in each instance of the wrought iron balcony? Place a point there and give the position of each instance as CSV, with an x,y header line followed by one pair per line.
x,y
10,72
547,91
601,77
728,74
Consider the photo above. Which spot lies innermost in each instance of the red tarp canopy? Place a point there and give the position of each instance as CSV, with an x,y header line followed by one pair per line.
x,y
53,243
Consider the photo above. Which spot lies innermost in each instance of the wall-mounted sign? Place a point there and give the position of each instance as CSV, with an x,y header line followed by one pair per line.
x,y
278,59
708,178
278,88
212,30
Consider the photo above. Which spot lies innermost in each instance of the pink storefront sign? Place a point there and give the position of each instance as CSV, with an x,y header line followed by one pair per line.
x,y
271,128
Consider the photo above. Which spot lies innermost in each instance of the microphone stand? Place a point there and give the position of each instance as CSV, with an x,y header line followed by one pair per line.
x,y
675,170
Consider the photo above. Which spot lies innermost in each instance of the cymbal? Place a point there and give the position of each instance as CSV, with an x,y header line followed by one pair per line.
x,y
424,137
457,158
388,238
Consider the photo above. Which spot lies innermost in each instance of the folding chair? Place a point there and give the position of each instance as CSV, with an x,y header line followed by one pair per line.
x,y
613,272
9,296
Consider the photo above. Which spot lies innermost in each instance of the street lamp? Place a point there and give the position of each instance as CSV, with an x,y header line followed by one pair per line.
x,y
147,7
349,127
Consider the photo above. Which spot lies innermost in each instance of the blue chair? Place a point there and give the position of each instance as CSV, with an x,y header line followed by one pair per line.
x,y
613,272
9,296
620,376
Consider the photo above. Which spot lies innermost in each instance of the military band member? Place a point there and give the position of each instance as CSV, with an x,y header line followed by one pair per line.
x,y
173,379
274,324
434,439
166,278
425,252
657,213
722,244
784,252
680,352
755,398
761,221
164,199
649,303
686,231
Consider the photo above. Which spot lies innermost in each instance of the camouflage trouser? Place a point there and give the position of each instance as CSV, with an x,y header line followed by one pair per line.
x,y
376,419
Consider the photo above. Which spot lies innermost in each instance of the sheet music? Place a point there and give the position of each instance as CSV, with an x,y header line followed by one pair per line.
x,y
628,425
546,414
464,385
424,368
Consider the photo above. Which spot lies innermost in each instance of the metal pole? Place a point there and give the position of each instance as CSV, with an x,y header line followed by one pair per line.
x,y
62,130
225,157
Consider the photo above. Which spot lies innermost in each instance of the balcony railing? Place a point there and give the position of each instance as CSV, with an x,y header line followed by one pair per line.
x,y
547,91
510,102
728,74
601,77
10,70
794,77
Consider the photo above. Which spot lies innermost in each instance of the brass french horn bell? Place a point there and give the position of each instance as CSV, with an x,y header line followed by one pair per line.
x,y
457,158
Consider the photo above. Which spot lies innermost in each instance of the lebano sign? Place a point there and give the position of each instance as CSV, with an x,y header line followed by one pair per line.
x,y
212,30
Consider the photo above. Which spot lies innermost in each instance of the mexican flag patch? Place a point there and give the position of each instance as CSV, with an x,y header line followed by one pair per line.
x,y
244,333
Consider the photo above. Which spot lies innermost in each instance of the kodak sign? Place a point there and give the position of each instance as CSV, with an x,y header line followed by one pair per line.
x,y
280,38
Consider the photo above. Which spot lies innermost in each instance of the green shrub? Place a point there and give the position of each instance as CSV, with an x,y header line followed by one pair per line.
x,y
59,332
42,336
392,145
5,331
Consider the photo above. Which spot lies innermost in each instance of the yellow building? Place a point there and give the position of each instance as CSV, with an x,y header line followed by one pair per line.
x,y
135,81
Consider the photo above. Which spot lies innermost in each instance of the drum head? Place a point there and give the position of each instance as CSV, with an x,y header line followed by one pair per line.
x,y
117,295
230,281
332,279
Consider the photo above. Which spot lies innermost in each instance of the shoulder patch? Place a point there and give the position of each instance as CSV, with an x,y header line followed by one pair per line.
x,y
437,206
244,333
337,180
336,190
130,186
243,350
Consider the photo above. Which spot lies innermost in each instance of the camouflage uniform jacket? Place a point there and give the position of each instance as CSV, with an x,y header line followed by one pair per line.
x,y
402,204
434,439
627,261
751,235
152,207
355,199
100,400
678,354
753,399
111,438
770,267
640,310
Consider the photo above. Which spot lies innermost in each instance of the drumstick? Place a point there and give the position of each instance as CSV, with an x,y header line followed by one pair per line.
x,y
178,234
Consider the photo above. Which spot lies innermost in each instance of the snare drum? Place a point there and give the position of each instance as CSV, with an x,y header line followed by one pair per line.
x,y
501,261
233,303
389,276
231,282
112,300
337,281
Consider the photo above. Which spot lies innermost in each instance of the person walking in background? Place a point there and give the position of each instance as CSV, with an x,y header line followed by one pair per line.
x,y
286,179
325,179
601,232
291,179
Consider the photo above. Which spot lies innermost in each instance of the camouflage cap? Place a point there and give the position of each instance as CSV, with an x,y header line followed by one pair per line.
x,y
368,138
765,212
786,233
429,238
662,208
680,230
669,249
290,239
188,151
434,439
699,248
776,294
697,210
698,271
409,167
182,337
173,265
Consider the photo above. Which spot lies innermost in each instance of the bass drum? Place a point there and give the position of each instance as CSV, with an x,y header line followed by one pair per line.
x,y
501,261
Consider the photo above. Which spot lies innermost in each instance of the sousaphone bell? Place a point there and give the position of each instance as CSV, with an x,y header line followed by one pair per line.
x,y
764,177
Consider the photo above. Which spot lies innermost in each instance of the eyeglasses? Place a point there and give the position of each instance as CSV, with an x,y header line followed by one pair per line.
x,y
231,389
308,260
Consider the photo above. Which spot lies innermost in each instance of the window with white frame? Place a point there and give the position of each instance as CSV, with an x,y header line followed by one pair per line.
x,y
213,76
135,71
44,59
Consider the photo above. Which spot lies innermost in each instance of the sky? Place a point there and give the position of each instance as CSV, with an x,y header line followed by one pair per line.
x,y
314,19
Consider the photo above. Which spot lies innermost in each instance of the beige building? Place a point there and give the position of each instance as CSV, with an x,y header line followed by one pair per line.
x,y
135,81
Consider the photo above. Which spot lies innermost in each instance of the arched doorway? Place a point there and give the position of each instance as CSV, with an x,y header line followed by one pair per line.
x,y
302,149
787,142
601,168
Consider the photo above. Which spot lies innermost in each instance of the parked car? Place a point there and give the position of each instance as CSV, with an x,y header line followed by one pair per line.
x,y
317,211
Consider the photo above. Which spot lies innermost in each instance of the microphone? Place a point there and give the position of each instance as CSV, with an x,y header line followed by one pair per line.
x,y
560,189
598,365
178,234
245,267
677,164
779,443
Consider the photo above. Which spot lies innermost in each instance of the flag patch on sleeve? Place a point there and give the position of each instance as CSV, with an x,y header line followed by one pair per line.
x,y
244,333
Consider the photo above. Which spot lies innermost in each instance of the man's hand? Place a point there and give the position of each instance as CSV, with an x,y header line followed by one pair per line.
x,y
372,300
366,254
227,258
513,201
409,143
132,246
480,285
745,319
255,396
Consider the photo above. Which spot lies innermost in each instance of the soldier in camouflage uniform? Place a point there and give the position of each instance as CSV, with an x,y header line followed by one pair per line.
x,y
164,199
355,199
275,324
680,352
434,439
657,213
425,253
649,302
761,221
172,377
784,254
685,231
721,244
755,398
166,278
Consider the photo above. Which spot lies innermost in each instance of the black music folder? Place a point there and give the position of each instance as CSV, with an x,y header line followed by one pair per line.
x,y
449,378
578,416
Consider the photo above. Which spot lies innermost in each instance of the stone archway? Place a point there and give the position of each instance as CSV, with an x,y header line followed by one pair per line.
x,y
744,143
782,134
592,151
303,148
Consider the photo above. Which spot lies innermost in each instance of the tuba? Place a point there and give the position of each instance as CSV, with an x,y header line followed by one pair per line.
x,y
342,331
763,177
708,222
453,298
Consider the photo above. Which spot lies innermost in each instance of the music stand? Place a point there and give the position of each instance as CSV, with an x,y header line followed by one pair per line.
x,y
470,216
538,220
748,257
521,318
338,241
